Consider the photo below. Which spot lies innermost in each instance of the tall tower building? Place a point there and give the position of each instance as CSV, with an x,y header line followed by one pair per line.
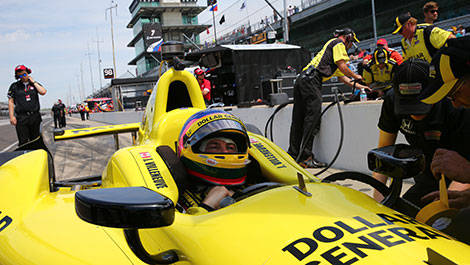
x,y
178,20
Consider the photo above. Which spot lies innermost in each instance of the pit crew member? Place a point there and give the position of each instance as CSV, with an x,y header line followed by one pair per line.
x,y
213,147
379,71
23,105
426,127
452,81
419,40
204,84
330,61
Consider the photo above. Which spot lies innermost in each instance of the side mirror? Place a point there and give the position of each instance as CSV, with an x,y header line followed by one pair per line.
x,y
130,208
399,161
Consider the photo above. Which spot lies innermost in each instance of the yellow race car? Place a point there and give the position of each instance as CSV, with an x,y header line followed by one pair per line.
x,y
129,215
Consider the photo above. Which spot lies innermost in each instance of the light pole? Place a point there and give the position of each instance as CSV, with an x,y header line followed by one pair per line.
x,y
112,32
373,22
100,73
91,72
285,26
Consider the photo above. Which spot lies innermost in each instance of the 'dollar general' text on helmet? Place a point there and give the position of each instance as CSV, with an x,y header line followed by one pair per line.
x,y
218,166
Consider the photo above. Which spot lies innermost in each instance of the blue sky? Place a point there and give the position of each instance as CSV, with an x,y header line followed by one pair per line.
x,y
51,38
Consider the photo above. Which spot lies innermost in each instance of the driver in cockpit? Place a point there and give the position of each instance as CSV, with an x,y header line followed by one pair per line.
x,y
213,146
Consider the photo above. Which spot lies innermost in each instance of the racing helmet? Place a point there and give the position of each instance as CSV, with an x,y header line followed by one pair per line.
x,y
199,71
381,56
216,168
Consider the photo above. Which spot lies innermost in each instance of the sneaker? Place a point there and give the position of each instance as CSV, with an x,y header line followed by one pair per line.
x,y
312,163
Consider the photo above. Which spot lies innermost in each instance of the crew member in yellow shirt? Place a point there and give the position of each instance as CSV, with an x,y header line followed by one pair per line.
x,y
378,73
419,41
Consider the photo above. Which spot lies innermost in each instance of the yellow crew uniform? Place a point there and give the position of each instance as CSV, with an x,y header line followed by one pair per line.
x,y
325,60
425,42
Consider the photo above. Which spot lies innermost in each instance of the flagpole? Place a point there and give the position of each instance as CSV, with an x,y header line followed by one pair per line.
x,y
248,16
213,22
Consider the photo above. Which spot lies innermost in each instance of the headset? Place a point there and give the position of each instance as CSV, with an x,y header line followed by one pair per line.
x,y
21,67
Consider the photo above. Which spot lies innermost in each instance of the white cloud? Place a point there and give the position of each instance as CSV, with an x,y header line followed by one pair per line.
x,y
16,36
51,38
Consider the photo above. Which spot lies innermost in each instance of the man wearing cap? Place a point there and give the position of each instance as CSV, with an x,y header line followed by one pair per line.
x,y
426,127
330,61
379,71
419,41
452,81
396,56
23,105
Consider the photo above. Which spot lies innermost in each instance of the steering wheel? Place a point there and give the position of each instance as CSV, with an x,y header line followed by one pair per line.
x,y
391,194
254,189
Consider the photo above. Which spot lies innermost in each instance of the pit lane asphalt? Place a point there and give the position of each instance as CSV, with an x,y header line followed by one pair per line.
x,y
81,157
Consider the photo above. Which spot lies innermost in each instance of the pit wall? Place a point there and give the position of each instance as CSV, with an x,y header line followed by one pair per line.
x,y
360,130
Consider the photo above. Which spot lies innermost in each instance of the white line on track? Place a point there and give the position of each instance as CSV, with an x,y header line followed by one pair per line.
x,y
10,146
16,143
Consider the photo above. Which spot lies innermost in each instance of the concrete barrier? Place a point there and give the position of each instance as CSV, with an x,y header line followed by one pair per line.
x,y
360,130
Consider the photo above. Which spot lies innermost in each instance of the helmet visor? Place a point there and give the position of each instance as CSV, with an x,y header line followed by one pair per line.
x,y
226,128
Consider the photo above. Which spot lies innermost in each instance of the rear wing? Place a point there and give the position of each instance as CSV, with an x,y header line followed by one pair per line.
x,y
61,135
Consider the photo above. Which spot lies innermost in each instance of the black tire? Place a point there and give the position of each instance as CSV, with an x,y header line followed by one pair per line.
x,y
253,129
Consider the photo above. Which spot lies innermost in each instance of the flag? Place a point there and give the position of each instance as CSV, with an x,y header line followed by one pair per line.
x,y
207,30
243,5
222,20
156,46
213,7
211,2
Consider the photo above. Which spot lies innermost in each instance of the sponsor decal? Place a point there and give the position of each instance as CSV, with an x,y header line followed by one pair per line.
x,y
94,129
253,140
407,126
272,158
356,239
5,221
145,155
154,173
211,162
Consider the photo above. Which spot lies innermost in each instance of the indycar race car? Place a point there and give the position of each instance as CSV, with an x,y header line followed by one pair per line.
x,y
129,214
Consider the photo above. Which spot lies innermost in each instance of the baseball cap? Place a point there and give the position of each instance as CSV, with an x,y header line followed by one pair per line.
x,y
382,42
450,64
22,68
409,80
346,31
400,20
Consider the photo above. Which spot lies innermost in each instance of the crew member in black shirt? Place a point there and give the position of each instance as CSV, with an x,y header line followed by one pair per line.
x,y
23,105
56,114
426,127
330,61
62,121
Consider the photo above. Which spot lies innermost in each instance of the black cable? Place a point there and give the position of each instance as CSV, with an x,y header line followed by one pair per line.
x,y
271,119
310,132
341,137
